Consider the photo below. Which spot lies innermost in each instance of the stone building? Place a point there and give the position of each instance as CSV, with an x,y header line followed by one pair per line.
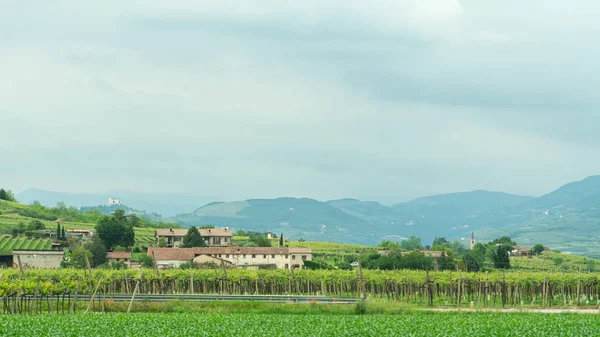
x,y
44,259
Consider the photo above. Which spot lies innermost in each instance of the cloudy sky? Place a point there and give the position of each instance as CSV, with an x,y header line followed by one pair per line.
x,y
377,99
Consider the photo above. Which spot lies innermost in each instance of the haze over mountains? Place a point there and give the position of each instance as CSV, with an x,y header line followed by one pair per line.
x,y
567,218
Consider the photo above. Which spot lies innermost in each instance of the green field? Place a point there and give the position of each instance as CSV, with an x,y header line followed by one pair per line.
x,y
8,244
250,324
143,236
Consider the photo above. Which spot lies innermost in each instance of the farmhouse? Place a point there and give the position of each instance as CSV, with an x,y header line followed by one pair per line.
x,y
281,258
213,237
123,257
47,259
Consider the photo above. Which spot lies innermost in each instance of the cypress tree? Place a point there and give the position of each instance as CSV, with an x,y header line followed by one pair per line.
x,y
64,237
58,231
281,240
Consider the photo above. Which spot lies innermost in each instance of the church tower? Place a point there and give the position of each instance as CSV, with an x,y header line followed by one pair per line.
x,y
472,243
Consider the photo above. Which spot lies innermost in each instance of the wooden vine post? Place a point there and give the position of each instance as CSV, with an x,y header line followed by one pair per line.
x,y
296,282
362,282
21,266
135,290
93,296
160,280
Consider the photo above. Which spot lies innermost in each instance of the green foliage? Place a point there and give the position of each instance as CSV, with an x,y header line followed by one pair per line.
x,y
411,243
146,261
98,250
281,240
473,260
162,243
446,262
193,239
501,257
7,195
505,240
537,249
360,308
316,265
77,258
261,240
387,244
394,260
116,230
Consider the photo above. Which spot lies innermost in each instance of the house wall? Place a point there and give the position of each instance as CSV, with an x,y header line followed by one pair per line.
x,y
39,259
163,264
282,261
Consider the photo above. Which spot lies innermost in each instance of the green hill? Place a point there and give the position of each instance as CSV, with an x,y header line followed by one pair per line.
x,y
12,215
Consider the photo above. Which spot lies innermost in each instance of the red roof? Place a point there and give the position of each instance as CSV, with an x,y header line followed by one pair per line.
x,y
185,254
118,255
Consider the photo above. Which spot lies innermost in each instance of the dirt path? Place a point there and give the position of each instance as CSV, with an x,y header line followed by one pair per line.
x,y
513,310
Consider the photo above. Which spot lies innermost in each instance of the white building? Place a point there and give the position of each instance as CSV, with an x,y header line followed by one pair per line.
x,y
113,201
281,258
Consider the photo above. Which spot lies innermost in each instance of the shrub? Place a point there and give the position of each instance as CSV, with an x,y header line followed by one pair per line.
x,y
360,308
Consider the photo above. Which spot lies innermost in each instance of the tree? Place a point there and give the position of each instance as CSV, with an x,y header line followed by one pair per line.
x,y
260,240
505,240
7,195
473,261
146,261
77,259
116,230
58,232
440,242
162,243
446,262
537,249
62,234
193,239
98,250
501,256
36,225
411,243
281,240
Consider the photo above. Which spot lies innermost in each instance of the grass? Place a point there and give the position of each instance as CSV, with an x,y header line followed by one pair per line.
x,y
8,244
555,262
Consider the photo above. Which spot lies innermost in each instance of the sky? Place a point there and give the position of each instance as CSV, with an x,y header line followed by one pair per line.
x,y
382,100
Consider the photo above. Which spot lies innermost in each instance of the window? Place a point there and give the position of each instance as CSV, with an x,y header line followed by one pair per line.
x,y
287,266
273,256
264,256
286,256
220,255
227,256
293,257
244,256
253,256
303,257
118,260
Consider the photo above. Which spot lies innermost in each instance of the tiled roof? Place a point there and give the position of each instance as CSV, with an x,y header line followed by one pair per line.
x,y
174,254
171,231
215,232
118,255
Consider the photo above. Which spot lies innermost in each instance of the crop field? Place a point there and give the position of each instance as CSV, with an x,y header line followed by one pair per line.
x,y
250,324
143,236
8,244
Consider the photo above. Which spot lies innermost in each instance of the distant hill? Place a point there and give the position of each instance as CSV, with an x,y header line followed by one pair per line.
x,y
296,218
166,205
474,202
565,219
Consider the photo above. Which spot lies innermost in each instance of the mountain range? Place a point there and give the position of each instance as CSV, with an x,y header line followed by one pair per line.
x,y
566,219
